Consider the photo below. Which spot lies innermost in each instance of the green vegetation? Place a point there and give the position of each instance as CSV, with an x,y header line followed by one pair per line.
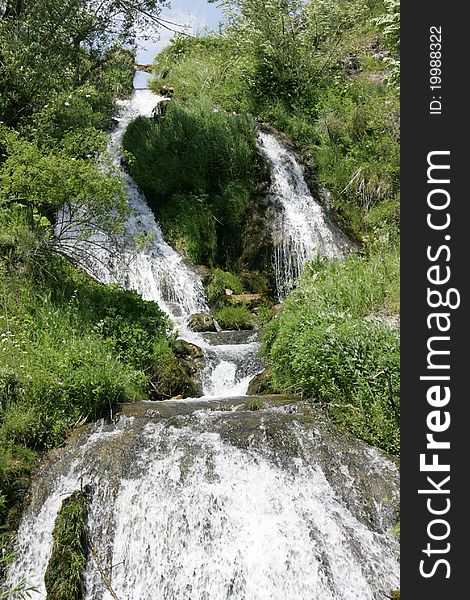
x,y
329,344
66,566
198,168
218,283
326,74
234,317
255,404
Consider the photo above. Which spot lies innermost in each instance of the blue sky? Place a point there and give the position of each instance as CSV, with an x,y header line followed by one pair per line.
x,y
197,14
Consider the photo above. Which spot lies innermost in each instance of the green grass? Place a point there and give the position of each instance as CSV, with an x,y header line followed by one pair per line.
x,y
255,404
199,69
65,570
328,345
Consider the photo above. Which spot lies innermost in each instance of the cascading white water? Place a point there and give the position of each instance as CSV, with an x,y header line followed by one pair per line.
x,y
193,517
301,228
157,272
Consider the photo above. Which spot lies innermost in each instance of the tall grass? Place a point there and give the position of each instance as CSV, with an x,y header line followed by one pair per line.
x,y
70,349
198,167
329,344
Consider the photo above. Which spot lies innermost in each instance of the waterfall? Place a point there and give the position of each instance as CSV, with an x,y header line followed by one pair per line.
x,y
301,228
204,499
157,271
219,504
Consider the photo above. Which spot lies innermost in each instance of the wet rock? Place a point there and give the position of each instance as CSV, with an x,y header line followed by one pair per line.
x,y
160,110
191,360
221,338
202,322
166,91
204,272
261,384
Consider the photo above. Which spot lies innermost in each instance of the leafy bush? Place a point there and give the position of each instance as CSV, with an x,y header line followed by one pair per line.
x,y
234,317
327,344
190,228
218,283
198,167
84,109
192,149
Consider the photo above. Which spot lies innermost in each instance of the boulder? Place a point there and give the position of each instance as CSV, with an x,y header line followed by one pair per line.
x,y
166,91
159,111
202,322
261,384
204,272
191,360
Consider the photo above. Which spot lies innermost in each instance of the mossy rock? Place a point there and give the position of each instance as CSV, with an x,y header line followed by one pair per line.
x,y
255,282
234,318
64,574
202,322
191,361
262,384
250,301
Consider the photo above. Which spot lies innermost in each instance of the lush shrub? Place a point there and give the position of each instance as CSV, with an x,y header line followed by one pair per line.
x,y
218,283
190,227
62,379
329,345
192,149
234,317
82,110
198,167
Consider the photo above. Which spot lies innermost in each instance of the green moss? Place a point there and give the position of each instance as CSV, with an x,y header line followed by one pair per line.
x,y
64,574
234,317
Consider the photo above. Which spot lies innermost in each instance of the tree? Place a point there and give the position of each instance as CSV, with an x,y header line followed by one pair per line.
x,y
36,185
52,45
287,44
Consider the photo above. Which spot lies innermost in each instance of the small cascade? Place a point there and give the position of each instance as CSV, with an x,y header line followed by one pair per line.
x,y
301,229
207,505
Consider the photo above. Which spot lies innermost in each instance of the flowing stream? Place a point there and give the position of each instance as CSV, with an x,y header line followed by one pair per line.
x,y
202,499
302,229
